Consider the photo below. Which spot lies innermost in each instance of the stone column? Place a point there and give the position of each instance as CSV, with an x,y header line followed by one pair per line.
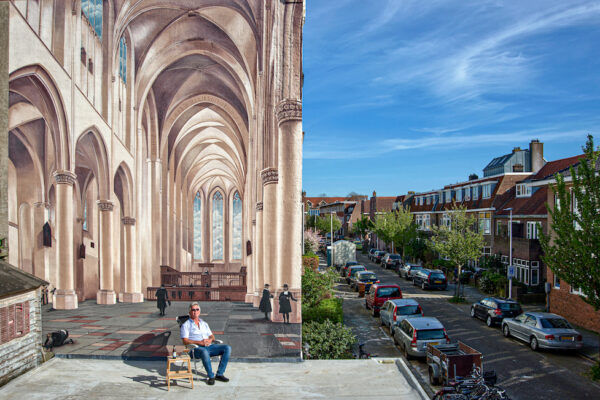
x,y
4,11
41,267
106,294
151,271
65,297
132,292
270,177
259,270
289,117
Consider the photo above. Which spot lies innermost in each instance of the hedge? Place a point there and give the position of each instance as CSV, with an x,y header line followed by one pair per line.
x,y
327,341
311,261
327,309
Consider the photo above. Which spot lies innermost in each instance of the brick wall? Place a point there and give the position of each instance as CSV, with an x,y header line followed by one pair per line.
x,y
22,354
573,308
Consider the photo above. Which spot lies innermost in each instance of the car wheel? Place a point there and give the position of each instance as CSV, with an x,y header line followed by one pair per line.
x,y
423,285
506,331
534,344
472,312
489,322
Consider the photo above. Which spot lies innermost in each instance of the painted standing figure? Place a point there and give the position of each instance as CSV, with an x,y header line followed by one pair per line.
x,y
265,303
284,303
161,299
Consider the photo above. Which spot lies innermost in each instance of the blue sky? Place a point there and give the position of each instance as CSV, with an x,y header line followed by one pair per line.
x,y
406,95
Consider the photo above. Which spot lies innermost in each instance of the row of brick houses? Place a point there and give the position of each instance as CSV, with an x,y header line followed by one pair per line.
x,y
516,185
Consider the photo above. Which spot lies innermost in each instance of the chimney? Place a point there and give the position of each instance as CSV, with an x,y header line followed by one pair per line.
x,y
536,152
516,149
374,194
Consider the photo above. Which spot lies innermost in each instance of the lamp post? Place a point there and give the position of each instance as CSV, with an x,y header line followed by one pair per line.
x,y
509,253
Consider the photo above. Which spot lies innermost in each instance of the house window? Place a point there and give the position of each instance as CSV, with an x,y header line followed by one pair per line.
x,y
427,221
198,227
428,200
14,321
576,212
532,230
467,194
217,226
487,251
523,190
556,282
577,291
485,220
475,192
236,228
535,273
446,220
486,191
459,195
448,196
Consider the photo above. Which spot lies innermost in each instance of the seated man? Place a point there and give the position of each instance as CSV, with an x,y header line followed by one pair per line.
x,y
196,331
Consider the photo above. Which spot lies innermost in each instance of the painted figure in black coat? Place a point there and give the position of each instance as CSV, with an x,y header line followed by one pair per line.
x,y
161,299
284,303
265,302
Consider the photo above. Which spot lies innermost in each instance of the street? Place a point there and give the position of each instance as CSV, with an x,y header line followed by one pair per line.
x,y
524,374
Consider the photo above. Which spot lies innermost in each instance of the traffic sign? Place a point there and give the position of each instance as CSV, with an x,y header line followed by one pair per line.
x,y
511,272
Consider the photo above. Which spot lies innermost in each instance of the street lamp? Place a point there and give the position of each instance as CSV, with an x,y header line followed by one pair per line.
x,y
510,275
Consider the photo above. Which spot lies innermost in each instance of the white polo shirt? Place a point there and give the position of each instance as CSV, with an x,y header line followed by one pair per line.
x,y
189,330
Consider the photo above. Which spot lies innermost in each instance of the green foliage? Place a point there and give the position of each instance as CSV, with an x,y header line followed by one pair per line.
x,y
396,227
493,262
327,309
324,224
310,261
362,226
457,300
572,252
317,286
594,372
492,282
328,340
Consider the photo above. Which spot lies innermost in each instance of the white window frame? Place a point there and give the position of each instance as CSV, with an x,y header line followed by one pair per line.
x,y
532,230
486,191
535,269
577,291
555,282
523,190
475,192
459,194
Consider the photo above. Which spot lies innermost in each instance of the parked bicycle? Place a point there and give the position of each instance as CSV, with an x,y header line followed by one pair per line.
x,y
476,386
362,354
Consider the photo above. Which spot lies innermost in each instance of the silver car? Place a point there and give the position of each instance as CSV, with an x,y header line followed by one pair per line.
x,y
394,311
543,331
408,270
413,334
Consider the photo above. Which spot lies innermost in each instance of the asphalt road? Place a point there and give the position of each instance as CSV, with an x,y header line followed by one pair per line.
x,y
524,374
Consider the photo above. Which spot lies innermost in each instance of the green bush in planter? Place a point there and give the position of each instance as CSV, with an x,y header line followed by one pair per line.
x,y
327,309
328,340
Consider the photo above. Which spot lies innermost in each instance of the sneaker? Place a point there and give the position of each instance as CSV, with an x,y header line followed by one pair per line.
x,y
211,381
221,378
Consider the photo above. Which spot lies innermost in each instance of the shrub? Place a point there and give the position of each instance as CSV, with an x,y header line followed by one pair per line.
x,y
311,241
492,282
317,286
327,340
594,372
311,261
327,309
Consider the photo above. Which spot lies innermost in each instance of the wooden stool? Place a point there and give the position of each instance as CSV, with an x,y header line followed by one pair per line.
x,y
182,374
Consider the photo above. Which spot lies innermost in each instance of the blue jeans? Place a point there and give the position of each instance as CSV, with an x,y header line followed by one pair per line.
x,y
205,353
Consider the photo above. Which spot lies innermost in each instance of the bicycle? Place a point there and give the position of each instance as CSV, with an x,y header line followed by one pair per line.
x,y
362,354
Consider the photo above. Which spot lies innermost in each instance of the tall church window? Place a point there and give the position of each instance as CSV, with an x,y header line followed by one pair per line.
x,y
91,48
217,226
85,215
236,227
123,60
198,227
122,92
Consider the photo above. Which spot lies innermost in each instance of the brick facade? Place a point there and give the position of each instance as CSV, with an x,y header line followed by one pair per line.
x,y
572,307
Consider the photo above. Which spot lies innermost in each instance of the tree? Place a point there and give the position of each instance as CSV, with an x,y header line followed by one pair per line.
x,y
460,243
572,251
362,226
324,223
396,227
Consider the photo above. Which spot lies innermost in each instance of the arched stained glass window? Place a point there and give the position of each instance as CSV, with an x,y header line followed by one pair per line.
x,y
198,227
93,10
236,227
123,60
217,226
85,219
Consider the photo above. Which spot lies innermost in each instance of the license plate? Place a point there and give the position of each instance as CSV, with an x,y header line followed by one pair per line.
x,y
568,338
437,281
433,343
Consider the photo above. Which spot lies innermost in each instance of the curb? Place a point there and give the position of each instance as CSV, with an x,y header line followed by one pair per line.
x,y
157,358
414,377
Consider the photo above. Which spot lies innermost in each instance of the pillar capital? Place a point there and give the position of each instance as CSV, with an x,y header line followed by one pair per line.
x,y
105,205
41,204
289,110
128,221
253,222
64,177
269,176
259,206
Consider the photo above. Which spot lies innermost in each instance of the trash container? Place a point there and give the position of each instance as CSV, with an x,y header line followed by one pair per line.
x,y
329,255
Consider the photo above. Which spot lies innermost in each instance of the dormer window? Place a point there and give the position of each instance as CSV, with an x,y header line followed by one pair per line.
x,y
523,190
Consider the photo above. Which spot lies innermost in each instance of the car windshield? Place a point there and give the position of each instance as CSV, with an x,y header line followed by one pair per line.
x,y
388,292
509,306
365,277
430,334
394,256
414,267
555,323
437,275
408,310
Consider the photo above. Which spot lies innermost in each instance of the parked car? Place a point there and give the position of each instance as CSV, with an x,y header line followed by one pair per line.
x,y
394,311
352,270
372,253
409,270
390,260
366,277
349,263
378,256
493,310
430,279
543,331
344,269
413,334
379,294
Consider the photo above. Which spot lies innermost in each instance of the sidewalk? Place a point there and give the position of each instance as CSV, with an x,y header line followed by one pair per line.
x,y
116,379
137,332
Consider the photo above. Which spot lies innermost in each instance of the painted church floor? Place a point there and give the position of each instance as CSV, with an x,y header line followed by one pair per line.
x,y
136,331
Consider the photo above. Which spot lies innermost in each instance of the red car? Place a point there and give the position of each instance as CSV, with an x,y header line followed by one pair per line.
x,y
379,294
